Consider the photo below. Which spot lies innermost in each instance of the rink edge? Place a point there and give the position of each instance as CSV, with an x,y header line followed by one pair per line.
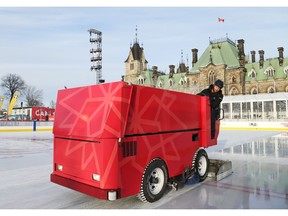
x,y
254,128
221,128
25,129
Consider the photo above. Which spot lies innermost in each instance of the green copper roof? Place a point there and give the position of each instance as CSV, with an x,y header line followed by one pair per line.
x,y
148,77
176,80
218,53
261,73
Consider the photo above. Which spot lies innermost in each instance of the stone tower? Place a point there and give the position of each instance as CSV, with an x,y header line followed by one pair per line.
x,y
135,62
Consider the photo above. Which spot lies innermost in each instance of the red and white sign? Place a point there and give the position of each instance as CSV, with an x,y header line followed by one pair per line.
x,y
42,113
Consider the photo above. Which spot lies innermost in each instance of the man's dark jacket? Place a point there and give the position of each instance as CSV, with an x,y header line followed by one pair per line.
x,y
215,98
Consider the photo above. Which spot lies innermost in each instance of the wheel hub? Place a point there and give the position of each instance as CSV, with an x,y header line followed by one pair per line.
x,y
156,181
202,166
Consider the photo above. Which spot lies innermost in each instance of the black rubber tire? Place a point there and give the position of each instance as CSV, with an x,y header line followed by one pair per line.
x,y
202,165
154,181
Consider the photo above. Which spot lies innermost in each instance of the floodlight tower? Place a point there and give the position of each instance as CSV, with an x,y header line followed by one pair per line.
x,y
96,52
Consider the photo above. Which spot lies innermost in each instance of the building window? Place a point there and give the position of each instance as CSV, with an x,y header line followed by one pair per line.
x,y
211,77
132,66
271,90
252,74
233,79
286,70
254,90
141,81
270,71
182,81
160,84
170,82
234,91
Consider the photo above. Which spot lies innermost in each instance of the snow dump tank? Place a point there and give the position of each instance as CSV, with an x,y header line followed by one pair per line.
x,y
92,112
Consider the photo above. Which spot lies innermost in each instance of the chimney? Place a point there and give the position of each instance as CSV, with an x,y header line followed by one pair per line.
x,y
280,50
154,69
261,61
194,56
155,75
253,56
241,52
172,70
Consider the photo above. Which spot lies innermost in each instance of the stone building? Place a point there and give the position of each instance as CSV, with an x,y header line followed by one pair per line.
x,y
223,59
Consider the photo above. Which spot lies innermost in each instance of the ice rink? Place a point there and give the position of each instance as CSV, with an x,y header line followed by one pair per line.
x,y
259,179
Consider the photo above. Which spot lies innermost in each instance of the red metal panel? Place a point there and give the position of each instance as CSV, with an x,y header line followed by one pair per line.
x,y
91,112
81,159
158,110
205,120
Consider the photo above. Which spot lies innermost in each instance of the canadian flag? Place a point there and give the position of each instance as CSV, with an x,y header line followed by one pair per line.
x,y
220,20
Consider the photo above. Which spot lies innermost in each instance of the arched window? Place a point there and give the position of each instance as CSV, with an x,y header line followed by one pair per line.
x,y
141,81
270,71
254,90
234,91
170,82
233,79
271,90
181,82
286,71
211,77
252,74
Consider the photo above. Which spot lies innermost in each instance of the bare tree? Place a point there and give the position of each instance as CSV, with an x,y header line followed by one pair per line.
x,y
12,83
33,96
52,104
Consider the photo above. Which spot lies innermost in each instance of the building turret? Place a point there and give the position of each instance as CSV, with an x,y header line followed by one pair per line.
x,y
135,63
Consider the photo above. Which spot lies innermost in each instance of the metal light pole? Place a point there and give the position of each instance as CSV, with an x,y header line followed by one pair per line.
x,y
96,52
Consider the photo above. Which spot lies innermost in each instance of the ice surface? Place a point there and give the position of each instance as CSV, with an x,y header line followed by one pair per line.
x,y
259,178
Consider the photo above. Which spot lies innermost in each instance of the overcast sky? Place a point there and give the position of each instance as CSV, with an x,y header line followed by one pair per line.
x,y
49,46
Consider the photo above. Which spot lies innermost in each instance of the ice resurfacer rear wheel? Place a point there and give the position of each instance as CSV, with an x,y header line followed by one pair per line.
x,y
202,164
154,181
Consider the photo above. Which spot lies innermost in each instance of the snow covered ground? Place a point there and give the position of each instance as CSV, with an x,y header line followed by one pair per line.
x,y
259,179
